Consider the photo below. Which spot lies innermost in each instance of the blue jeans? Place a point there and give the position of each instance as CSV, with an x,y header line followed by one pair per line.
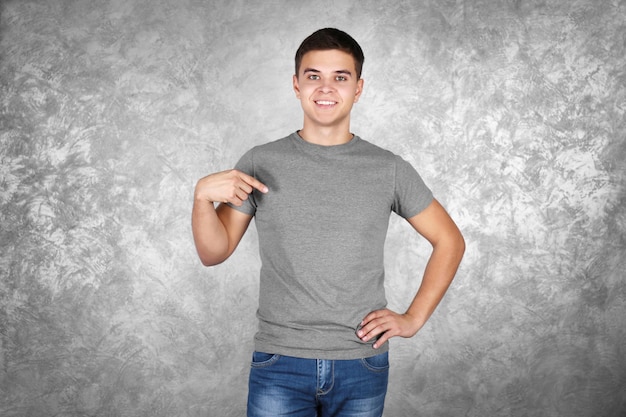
x,y
288,386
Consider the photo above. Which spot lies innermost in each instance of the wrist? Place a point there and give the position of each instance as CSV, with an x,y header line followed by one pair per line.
x,y
203,201
417,320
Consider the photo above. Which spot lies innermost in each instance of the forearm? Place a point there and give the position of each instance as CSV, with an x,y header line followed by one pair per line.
x,y
438,275
209,233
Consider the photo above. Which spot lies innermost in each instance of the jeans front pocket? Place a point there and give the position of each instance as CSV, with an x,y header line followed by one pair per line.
x,y
262,359
377,363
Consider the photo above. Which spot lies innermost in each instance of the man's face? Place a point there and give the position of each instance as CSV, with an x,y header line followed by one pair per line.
x,y
327,87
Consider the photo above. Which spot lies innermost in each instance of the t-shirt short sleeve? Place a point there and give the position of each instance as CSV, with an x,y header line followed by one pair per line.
x,y
246,165
411,195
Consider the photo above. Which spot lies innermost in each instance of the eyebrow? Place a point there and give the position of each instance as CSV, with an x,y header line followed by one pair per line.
x,y
341,71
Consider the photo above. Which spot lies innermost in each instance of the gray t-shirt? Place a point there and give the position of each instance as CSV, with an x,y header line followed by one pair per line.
x,y
322,229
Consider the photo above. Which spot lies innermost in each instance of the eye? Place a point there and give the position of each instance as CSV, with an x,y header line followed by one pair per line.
x,y
313,77
341,78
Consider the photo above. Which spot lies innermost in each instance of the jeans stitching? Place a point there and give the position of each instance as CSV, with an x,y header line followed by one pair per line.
x,y
373,368
266,363
332,379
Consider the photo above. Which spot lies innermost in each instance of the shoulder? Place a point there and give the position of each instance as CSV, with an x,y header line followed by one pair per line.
x,y
274,145
265,150
378,152
271,148
402,170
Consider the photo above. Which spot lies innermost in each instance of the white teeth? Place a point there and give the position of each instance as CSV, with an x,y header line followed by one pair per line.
x,y
325,103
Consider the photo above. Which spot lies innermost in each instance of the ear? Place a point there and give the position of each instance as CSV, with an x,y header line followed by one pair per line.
x,y
359,89
296,86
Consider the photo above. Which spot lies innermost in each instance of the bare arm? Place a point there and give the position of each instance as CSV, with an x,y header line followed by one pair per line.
x,y
217,232
439,229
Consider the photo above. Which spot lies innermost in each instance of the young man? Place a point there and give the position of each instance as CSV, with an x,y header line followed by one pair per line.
x,y
321,198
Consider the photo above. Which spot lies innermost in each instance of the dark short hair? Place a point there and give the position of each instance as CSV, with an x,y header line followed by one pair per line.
x,y
330,38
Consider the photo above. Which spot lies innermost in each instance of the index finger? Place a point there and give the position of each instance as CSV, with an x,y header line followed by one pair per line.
x,y
253,182
372,315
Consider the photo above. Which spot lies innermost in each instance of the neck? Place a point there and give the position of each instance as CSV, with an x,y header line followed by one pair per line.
x,y
326,136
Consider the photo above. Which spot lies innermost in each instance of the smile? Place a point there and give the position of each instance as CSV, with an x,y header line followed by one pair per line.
x,y
325,103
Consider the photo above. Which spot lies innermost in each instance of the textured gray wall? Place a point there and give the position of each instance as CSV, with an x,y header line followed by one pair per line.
x,y
513,111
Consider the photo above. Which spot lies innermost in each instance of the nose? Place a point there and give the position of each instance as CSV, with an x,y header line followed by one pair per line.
x,y
326,87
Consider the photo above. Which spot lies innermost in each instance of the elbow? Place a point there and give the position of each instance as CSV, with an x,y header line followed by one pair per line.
x,y
211,259
459,246
210,262
459,243
454,244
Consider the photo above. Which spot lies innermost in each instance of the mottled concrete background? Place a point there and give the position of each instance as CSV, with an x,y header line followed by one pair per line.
x,y
513,111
